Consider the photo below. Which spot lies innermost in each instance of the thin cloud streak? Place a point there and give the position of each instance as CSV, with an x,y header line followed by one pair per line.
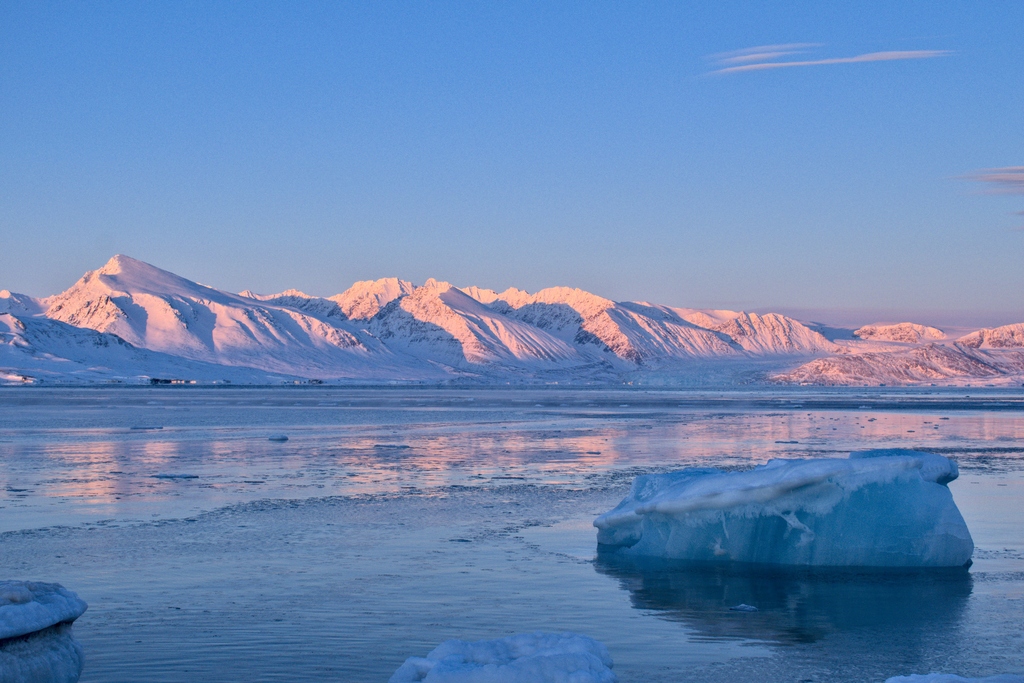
x,y
890,56
762,53
1006,180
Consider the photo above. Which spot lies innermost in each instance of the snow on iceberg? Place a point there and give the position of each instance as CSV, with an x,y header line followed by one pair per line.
x,y
951,678
525,658
881,508
36,642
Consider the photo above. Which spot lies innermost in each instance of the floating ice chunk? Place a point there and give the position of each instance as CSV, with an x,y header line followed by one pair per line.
x,y
525,658
36,643
29,606
743,608
950,678
883,508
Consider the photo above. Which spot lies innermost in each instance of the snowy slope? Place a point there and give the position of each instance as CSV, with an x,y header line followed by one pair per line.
x,y
1005,337
131,319
18,304
316,306
34,348
157,310
443,323
931,363
908,333
768,334
364,299
631,332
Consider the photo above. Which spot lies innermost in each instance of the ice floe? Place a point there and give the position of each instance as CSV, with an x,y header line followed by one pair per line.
x,y
525,658
881,508
36,642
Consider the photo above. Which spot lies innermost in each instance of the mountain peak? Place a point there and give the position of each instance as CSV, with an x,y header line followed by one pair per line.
x,y
439,286
363,299
118,262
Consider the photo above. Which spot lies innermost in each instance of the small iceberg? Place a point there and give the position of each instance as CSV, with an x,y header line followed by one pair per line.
x,y
525,658
278,437
36,641
950,678
743,607
882,508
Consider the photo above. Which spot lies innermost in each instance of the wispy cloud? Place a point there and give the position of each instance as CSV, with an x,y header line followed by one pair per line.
x,y
762,53
1006,180
764,57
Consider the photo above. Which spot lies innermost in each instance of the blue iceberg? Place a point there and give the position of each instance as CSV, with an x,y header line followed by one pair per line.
x,y
881,508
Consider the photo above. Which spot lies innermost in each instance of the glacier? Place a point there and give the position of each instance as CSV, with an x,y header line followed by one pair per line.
x,y
880,508
537,657
36,641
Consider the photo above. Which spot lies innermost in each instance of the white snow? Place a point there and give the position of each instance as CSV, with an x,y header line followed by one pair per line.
x,y
525,658
1005,337
886,508
364,299
129,319
910,333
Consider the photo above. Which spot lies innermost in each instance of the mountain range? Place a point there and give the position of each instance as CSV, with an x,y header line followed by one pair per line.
x,y
132,322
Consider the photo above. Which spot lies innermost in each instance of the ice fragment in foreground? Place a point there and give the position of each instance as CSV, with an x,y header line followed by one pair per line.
x,y
36,642
950,678
882,508
525,658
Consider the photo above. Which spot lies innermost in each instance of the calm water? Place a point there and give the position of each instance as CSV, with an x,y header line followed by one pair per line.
x,y
393,519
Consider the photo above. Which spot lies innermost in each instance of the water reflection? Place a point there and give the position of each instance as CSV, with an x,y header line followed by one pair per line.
x,y
794,605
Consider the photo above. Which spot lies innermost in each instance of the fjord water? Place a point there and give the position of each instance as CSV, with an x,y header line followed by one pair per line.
x,y
395,518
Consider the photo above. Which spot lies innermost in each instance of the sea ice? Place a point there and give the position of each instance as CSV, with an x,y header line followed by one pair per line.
x,y
525,658
951,678
29,606
881,508
36,642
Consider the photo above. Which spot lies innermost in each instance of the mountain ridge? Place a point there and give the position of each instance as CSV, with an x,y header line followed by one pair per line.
x,y
389,330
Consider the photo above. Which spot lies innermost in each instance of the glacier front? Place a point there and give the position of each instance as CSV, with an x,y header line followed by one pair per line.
x,y
880,508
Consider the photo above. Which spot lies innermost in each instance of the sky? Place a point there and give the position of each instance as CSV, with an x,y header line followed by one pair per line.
x,y
852,162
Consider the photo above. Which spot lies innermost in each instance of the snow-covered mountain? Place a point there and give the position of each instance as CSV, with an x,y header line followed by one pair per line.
x,y
907,333
35,348
131,321
289,334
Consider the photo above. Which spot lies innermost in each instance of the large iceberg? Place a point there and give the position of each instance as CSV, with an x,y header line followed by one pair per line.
x,y
525,658
881,508
36,642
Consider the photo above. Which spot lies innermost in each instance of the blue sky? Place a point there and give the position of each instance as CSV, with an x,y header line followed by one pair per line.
x,y
596,145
